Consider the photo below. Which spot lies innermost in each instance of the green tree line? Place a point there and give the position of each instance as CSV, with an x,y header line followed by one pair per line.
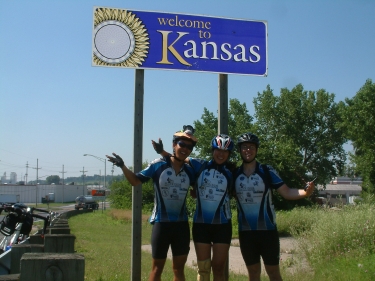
x,y
302,134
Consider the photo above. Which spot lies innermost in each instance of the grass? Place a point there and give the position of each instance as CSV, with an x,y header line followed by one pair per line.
x,y
333,245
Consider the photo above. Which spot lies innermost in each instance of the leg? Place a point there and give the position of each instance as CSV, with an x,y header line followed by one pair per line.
x,y
178,267
203,252
157,269
271,255
254,271
180,246
219,259
273,272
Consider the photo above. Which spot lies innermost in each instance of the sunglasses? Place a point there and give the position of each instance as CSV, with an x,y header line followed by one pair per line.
x,y
185,145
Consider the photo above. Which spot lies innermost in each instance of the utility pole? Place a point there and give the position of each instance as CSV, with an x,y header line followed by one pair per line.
x,y
113,167
27,168
83,180
63,184
36,186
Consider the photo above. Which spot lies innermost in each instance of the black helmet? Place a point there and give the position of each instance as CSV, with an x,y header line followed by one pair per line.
x,y
248,137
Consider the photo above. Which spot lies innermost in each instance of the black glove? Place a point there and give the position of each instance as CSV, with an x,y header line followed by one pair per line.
x,y
118,161
158,146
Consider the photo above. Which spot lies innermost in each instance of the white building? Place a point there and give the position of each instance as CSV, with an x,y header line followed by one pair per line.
x,y
32,193
13,178
342,190
4,178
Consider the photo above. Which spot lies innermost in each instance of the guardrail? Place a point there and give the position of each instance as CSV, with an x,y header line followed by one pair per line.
x,y
48,258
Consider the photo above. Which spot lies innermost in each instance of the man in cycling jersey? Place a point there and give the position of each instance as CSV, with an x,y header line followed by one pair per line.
x,y
172,179
258,234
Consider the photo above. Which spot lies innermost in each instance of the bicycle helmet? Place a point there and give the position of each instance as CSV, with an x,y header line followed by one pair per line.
x,y
186,133
223,142
248,137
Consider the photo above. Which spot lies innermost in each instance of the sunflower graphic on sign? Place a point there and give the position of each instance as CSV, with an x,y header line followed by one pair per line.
x,y
119,39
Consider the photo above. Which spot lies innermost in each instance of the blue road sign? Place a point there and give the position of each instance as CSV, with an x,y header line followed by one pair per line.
x,y
158,40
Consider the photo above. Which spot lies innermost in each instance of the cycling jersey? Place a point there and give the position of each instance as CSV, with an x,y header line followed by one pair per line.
x,y
170,189
254,199
212,189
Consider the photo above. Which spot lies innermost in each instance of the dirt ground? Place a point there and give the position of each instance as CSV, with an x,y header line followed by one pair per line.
x,y
288,247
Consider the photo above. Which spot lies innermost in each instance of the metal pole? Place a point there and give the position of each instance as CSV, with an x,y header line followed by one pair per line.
x,y
105,174
137,166
63,183
223,125
36,186
223,104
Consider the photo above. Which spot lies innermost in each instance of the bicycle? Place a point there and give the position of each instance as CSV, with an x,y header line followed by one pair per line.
x,y
17,225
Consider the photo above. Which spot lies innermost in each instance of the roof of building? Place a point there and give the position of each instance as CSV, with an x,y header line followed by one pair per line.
x,y
341,187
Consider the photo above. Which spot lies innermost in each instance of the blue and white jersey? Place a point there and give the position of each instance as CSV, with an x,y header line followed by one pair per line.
x,y
170,189
254,199
212,189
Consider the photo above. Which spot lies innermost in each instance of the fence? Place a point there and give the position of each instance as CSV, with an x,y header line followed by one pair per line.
x,y
48,258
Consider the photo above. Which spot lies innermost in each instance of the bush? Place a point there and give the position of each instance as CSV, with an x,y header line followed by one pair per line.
x,y
346,232
121,195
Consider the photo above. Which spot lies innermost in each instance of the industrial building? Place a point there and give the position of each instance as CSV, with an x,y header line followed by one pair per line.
x,y
38,193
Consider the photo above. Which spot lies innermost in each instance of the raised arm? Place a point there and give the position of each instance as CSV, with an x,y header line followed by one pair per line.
x,y
158,146
130,175
295,194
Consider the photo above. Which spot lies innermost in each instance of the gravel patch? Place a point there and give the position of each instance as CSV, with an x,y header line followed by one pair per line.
x,y
288,248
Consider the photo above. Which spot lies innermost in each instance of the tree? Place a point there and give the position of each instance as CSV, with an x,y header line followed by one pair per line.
x,y
298,131
358,116
300,135
53,179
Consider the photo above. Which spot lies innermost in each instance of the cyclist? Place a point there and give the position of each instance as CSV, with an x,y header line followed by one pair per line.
x,y
212,227
258,234
171,179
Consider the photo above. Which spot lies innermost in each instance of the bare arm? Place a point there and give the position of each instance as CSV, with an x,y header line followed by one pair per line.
x,y
295,194
130,175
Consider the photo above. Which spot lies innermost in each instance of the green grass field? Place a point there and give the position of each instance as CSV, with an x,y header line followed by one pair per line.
x,y
337,245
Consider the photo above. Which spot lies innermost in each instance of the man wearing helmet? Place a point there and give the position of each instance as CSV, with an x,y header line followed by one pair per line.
x,y
258,234
172,178
212,227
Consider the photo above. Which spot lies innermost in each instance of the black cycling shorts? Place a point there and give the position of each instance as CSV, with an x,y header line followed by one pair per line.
x,y
212,233
176,234
260,243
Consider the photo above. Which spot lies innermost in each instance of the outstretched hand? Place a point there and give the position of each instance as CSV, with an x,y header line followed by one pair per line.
x,y
117,160
309,189
158,146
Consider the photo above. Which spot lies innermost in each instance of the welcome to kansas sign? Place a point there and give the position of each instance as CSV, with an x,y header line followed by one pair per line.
x,y
156,40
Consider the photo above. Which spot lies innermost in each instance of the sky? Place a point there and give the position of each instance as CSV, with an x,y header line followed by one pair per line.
x,y
56,107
